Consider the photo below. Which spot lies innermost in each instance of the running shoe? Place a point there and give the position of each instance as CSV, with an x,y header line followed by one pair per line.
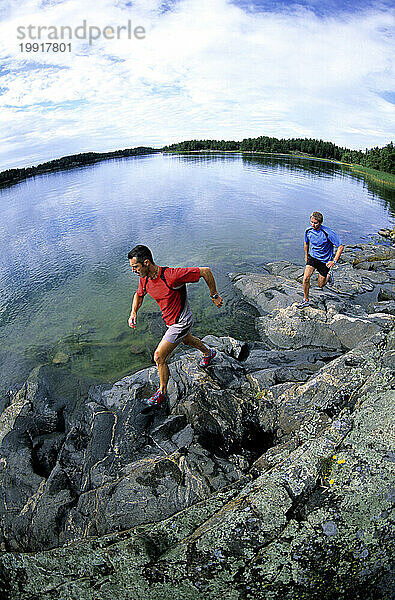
x,y
156,400
206,360
303,304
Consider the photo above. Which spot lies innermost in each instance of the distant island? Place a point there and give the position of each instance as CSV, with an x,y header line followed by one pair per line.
x,y
376,162
12,176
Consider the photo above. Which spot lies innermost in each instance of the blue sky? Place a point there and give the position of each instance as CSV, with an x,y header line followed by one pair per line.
x,y
224,69
319,7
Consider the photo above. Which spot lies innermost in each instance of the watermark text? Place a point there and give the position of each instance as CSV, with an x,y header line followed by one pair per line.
x,y
81,32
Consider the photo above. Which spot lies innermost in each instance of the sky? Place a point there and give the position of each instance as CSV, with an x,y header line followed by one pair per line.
x,y
192,69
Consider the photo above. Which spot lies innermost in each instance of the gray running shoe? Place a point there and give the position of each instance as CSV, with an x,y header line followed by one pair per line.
x,y
303,304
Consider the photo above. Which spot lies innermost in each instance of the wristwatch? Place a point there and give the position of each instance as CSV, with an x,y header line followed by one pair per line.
x,y
215,296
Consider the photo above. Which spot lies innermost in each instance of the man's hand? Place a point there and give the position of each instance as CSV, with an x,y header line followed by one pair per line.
x,y
217,301
208,277
330,264
132,321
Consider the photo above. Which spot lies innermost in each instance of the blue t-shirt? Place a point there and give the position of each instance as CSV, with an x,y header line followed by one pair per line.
x,y
322,242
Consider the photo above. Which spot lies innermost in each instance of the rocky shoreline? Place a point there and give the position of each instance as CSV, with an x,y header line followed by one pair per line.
x,y
267,477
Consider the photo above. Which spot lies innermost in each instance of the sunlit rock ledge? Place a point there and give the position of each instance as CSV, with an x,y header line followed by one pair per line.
x,y
268,476
339,316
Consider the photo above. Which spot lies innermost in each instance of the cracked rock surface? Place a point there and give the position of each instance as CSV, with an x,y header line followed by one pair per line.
x,y
334,320
269,476
310,517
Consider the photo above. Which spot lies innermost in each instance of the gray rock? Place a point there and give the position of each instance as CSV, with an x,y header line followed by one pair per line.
x,y
229,345
330,322
290,328
109,464
270,367
316,518
351,280
389,360
360,269
358,253
60,358
269,475
382,307
353,330
386,233
385,295
267,292
286,269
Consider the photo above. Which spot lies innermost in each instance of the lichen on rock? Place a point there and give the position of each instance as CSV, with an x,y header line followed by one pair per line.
x,y
269,477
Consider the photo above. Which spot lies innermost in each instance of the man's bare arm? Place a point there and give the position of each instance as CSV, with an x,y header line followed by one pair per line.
x,y
208,277
137,302
337,256
306,251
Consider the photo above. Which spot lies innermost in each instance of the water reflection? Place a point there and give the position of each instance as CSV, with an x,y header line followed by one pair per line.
x,y
64,278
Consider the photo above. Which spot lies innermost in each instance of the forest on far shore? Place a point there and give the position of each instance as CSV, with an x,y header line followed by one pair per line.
x,y
11,176
382,159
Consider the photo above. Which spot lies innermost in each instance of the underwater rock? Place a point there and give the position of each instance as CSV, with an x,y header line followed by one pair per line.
x,y
60,358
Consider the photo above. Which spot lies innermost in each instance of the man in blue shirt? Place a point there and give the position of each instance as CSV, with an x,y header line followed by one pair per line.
x,y
319,245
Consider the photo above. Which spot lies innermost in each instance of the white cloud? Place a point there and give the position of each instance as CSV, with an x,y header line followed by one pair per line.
x,y
206,69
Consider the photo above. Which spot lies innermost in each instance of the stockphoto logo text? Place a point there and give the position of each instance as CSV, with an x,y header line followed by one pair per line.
x,y
53,34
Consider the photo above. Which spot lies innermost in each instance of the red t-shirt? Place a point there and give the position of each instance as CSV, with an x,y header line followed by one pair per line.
x,y
171,301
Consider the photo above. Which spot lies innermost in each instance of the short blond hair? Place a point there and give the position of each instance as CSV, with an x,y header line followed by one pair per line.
x,y
317,215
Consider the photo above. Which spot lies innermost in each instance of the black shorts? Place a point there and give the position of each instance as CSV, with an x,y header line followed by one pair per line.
x,y
318,264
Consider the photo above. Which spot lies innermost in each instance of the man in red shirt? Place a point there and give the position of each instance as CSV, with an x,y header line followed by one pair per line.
x,y
167,286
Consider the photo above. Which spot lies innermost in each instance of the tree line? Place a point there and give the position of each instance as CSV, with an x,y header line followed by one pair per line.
x,y
382,159
11,176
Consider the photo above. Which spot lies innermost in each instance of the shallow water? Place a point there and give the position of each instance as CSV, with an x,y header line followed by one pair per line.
x,y
65,282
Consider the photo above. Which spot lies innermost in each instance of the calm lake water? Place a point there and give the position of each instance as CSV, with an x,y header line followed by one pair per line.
x,y
65,282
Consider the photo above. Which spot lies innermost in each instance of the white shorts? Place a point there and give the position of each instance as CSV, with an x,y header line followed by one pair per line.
x,y
176,333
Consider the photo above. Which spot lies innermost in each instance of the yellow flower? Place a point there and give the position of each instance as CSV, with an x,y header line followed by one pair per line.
x,y
331,481
341,461
334,457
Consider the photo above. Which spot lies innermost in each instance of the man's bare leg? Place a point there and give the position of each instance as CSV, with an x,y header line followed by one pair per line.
x,y
309,270
194,342
322,280
161,355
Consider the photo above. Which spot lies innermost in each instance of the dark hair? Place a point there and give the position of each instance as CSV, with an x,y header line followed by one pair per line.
x,y
317,215
140,253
